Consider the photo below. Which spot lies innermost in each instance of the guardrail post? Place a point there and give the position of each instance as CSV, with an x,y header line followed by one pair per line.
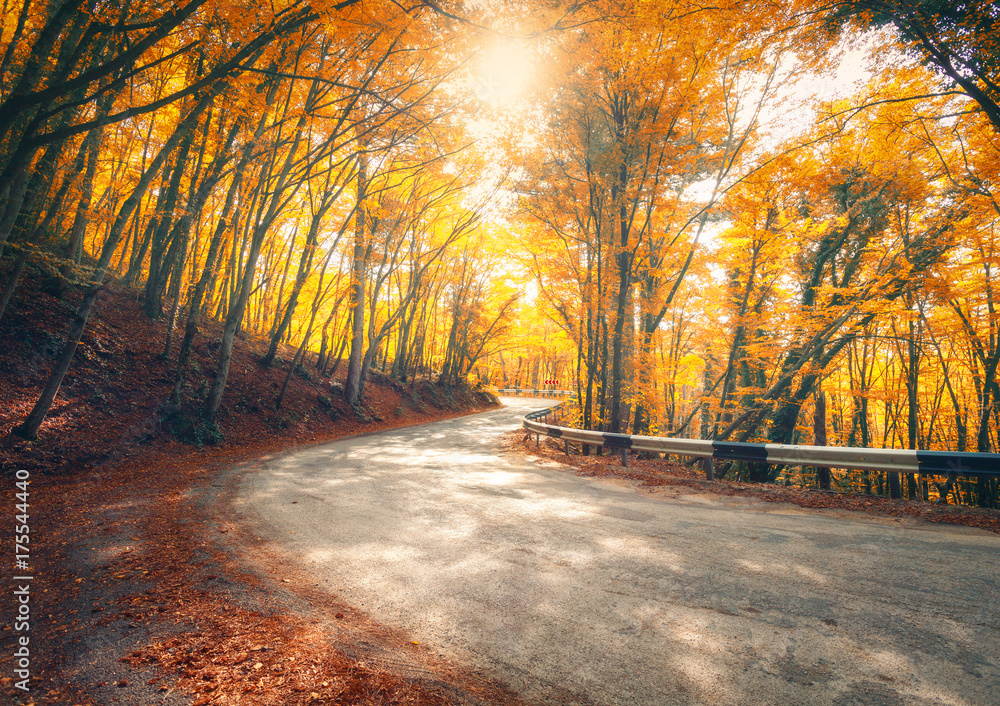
x,y
625,457
709,475
538,439
567,446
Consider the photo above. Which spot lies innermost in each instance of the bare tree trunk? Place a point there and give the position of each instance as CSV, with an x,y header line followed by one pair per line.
x,y
174,294
233,320
305,263
159,256
819,435
352,386
194,306
11,286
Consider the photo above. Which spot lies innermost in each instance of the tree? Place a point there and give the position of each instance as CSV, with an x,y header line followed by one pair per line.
x,y
958,40
657,105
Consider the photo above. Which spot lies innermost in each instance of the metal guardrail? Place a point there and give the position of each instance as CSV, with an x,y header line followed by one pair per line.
x,y
848,457
535,393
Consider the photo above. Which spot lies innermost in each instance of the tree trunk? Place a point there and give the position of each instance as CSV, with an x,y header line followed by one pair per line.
x,y
819,436
28,429
352,386
232,325
12,278
194,307
159,266
305,263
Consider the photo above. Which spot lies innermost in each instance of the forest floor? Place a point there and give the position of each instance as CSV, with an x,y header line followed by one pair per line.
x,y
653,473
136,594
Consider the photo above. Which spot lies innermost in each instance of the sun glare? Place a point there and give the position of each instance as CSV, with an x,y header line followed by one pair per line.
x,y
503,74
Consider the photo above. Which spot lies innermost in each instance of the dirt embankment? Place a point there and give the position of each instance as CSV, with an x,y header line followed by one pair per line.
x,y
111,406
136,596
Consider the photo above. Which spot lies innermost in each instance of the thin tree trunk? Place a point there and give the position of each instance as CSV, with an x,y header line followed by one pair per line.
x,y
352,386
12,278
819,435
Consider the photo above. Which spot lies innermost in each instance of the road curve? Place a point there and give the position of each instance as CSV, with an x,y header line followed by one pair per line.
x,y
581,591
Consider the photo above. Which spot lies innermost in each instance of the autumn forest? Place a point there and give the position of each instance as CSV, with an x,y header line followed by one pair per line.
x,y
746,221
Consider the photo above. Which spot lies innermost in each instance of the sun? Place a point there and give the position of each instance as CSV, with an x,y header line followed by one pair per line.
x,y
504,73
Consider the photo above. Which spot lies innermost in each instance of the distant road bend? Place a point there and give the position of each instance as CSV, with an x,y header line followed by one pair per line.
x,y
575,590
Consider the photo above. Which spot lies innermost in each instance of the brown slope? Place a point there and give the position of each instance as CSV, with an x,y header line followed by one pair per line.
x,y
137,595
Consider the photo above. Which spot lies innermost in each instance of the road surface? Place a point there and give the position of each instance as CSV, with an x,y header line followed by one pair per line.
x,y
571,589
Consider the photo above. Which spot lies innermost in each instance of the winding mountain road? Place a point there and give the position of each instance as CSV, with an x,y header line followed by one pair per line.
x,y
573,590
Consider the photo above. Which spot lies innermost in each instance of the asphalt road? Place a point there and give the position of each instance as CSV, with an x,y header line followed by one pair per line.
x,y
575,590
